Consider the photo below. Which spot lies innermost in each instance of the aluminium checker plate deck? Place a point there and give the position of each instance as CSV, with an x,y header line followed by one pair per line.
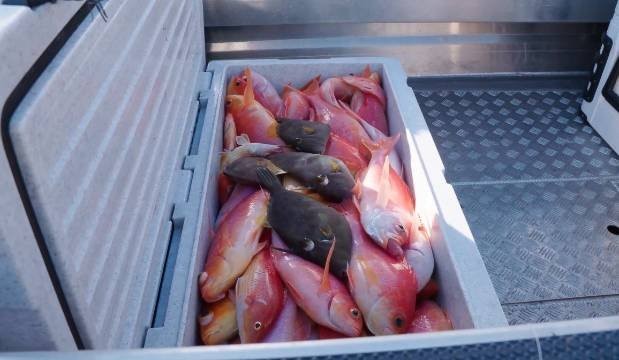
x,y
538,186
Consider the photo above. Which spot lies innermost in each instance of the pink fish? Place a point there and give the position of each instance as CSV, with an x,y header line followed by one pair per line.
x,y
376,136
342,124
259,298
418,252
383,287
335,89
240,193
291,325
368,100
229,133
295,104
386,221
326,333
252,118
429,291
350,155
233,246
429,317
219,324
330,305
264,91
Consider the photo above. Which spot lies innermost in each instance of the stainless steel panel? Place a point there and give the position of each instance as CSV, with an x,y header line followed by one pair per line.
x,y
423,48
268,12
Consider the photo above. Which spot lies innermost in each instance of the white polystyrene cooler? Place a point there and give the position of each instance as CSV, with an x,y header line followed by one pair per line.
x,y
466,292
118,145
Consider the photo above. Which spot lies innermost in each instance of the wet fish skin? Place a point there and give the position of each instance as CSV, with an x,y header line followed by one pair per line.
x,y
340,121
264,91
429,317
324,174
291,325
295,104
303,135
243,170
350,155
252,118
383,287
418,252
386,222
336,89
332,307
234,244
229,132
307,226
219,324
259,298
239,193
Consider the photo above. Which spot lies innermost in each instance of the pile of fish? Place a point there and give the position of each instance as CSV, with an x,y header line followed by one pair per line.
x,y
317,235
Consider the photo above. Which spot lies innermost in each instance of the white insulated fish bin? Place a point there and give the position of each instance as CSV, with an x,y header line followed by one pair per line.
x,y
466,292
118,143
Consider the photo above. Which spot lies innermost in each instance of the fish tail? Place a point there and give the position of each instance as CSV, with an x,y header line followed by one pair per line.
x,y
267,179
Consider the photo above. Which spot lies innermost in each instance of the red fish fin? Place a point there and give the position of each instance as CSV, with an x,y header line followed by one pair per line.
x,y
312,88
367,72
324,284
248,95
385,184
312,82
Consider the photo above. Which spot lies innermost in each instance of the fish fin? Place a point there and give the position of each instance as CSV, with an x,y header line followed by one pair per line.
x,y
324,284
312,87
202,278
242,139
309,83
383,189
260,247
248,95
267,179
366,85
367,72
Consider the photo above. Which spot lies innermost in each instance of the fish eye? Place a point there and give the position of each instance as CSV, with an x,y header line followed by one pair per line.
x,y
298,140
354,312
257,325
323,179
398,321
400,228
238,83
228,102
309,245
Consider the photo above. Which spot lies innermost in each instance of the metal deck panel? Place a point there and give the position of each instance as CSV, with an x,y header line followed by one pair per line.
x,y
539,188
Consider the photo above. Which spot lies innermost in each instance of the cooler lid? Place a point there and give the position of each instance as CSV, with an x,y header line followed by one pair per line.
x,y
99,140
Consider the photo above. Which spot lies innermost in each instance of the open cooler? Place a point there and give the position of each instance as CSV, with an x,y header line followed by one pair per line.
x,y
115,147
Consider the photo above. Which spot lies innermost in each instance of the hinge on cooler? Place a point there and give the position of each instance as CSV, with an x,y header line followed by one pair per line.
x,y
599,62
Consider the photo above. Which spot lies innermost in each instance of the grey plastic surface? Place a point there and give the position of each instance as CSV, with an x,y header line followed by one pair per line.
x,y
31,317
100,140
539,187
30,314
468,297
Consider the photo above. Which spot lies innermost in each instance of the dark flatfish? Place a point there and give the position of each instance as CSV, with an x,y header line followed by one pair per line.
x,y
243,170
307,226
324,174
303,135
